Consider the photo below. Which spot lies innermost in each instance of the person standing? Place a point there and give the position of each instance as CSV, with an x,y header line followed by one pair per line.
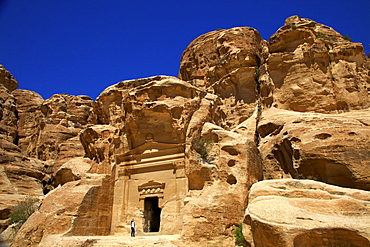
x,y
132,228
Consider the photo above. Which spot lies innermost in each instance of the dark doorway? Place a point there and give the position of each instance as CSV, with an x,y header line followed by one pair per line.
x,y
152,214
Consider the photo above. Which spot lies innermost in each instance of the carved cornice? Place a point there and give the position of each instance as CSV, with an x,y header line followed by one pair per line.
x,y
150,189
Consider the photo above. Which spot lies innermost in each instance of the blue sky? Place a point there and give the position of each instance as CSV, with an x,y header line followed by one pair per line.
x,y
80,47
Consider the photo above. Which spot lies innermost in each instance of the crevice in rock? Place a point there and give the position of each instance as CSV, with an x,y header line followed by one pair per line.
x,y
259,101
322,136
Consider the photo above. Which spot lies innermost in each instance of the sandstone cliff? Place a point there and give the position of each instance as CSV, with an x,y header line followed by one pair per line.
x,y
242,110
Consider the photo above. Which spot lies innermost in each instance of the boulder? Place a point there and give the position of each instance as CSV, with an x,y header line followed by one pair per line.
x,y
76,208
290,212
73,169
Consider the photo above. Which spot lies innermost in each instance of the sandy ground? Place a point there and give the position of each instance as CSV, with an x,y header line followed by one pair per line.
x,y
87,241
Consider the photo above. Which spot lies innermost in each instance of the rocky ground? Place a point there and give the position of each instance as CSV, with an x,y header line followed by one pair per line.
x,y
276,136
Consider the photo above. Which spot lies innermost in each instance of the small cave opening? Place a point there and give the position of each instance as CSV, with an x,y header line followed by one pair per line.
x,y
322,136
231,179
231,150
327,171
231,163
152,214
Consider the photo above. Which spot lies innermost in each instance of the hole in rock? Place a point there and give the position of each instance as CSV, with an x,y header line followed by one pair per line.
x,y
231,163
322,136
269,128
231,150
231,179
152,214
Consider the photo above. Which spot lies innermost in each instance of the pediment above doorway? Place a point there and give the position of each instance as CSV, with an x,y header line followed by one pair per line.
x,y
151,189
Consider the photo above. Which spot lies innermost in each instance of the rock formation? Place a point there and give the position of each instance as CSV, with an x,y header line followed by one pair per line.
x,y
184,156
290,212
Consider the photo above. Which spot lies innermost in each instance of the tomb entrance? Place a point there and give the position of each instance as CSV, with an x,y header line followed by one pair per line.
x,y
152,214
150,185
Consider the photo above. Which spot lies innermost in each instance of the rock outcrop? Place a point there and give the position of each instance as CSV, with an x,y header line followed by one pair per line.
x,y
289,212
184,156
312,68
333,148
225,63
20,175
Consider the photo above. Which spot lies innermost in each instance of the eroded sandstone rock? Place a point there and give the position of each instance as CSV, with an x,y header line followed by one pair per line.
x,y
28,105
332,148
19,175
74,169
77,208
311,67
225,63
290,212
56,138
7,79
218,180
156,107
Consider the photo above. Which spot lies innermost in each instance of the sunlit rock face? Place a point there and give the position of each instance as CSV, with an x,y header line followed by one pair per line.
x,y
226,63
312,68
180,155
332,148
285,212
157,107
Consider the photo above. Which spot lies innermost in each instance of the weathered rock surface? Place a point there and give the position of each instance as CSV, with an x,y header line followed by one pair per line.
x,y
76,208
218,182
28,105
312,68
63,117
19,175
74,169
224,63
7,79
333,148
290,212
